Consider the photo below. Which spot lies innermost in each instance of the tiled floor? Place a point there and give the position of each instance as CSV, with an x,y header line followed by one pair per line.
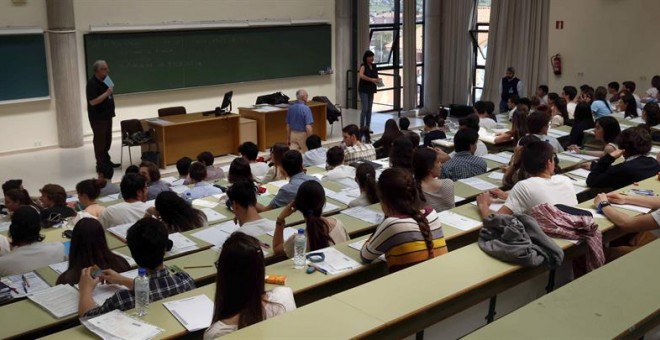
x,y
69,166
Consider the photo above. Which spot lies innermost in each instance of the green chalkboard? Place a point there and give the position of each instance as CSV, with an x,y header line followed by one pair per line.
x,y
23,70
161,60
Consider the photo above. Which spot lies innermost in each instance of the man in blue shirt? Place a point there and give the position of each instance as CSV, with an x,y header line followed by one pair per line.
x,y
292,164
299,122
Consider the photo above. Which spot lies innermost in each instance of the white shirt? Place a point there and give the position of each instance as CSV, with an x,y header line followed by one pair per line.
x,y
258,227
30,257
5,248
259,169
570,107
339,172
315,157
638,100
281,301
122,213
481,150
533,191
487,123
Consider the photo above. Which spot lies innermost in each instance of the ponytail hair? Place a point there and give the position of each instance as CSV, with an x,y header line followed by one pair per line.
x,y
400,195
90,188
310,200
365,176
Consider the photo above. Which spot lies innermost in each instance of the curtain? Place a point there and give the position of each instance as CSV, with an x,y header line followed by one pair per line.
x,y
518,37
456,51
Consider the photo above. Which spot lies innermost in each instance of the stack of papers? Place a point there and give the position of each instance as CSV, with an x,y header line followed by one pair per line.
x,y
364,214
478,183
120,230
194,313
335,261
60,300
23,284
212,215
118,325
457,221
217,234
182,244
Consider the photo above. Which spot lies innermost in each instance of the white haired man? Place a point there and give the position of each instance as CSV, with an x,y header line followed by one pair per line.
x,y
299,122
100,110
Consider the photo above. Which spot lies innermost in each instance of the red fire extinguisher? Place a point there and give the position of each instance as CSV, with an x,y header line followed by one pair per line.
x,y
555,60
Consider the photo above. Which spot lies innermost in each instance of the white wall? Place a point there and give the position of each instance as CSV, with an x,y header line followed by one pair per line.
x,y
603,41
39,118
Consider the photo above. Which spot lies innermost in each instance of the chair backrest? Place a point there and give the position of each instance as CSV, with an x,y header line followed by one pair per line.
x,y
130,126
171,111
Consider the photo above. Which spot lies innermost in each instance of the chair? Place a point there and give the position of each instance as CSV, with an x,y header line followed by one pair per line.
x,y
130,136
340,119
171,111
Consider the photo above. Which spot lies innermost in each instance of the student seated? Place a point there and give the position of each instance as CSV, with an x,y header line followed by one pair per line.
x,y
542,187
401,154
134,192
243,198
154,185
432,130
404,124
16,198
292,166
335,165
471,121
53,200
514,171
438,193
148,241
613,90
484,120
197,175
569,93
240,170
586,94
27,251
651,117
518,126
365,176
650,96
275,172
104,173
355,149
241,298
630,87
542,94
559,113
183,167
634,145
606,130
177,215
250,151
584,120
600,107
637,228
321,232
384,144
464,164
629,106
212,172
315,154
512,105
414,138
88,191
410,233
538,125
132,169
89,247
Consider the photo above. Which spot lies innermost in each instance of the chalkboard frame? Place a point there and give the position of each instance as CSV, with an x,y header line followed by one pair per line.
x,y
34,57
153,76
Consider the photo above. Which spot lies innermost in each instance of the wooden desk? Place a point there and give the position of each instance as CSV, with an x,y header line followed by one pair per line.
x,y
271,125
188,135
619,300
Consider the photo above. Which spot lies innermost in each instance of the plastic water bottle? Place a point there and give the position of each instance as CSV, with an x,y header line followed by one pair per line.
x,y
141,287
300,246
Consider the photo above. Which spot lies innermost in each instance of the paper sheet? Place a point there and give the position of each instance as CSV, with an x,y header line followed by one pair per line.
x,y
34,284
60,300
358,244
496,175
478,183
59,268
457,221
217,234
120,230
458,199
566,157
336,262
288,232
212,215
448,143
118,325
364,214
182,244
632,208
179,189
580,156
338,196
169,179
204,203
502,157
194,313
580,172
329,207
348,183
130,260
557,133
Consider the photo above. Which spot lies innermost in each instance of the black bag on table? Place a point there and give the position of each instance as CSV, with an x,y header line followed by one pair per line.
x,y
273,99
332,112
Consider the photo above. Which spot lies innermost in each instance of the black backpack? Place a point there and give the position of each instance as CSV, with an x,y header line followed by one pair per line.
x,y
273,99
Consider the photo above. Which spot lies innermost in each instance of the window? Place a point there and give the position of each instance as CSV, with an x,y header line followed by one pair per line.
x,y
480,46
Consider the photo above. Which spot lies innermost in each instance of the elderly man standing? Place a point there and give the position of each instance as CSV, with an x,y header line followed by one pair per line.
x,y
100,110
299,122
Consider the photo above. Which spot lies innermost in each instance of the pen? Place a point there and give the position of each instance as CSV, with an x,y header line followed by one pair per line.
x,y
192,267
25,280
323,271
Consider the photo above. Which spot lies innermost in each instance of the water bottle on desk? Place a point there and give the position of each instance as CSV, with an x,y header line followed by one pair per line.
x,y
141,288
300,245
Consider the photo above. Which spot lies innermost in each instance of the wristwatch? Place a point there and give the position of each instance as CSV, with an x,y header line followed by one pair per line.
x,y
602,205
280,221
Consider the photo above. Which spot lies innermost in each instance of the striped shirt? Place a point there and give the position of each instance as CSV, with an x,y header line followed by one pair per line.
x,y
359,151
399,238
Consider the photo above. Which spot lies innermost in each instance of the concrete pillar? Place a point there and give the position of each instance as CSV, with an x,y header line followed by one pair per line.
x,y
362,28
409,55
432,37
64,63
343,45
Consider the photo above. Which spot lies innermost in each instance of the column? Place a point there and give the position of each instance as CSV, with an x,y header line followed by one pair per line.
x,y
64,64
409,55
432,37
343,44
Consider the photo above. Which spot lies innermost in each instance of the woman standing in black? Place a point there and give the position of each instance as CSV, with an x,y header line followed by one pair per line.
x,y
368,75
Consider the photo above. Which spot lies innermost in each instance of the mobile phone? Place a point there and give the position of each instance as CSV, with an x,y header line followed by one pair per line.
x,y
96,272
67,233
